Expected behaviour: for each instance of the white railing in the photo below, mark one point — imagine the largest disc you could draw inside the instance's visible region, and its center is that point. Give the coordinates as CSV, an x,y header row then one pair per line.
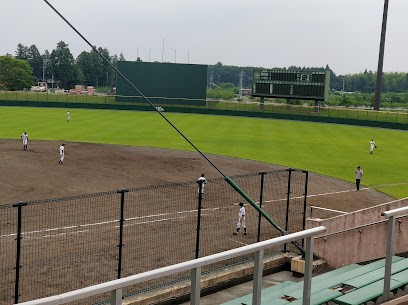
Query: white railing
x,y
116,286
391,215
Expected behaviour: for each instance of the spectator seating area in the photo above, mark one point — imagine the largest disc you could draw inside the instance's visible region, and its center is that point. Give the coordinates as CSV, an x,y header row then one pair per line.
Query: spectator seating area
x,y
350,285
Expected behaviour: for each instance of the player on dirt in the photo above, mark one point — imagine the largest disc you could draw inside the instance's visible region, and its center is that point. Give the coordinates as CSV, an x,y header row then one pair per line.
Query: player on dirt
x,y
241,219
24,137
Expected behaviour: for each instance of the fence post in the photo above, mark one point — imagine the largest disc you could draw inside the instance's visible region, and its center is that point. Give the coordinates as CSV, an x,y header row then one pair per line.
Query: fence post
x,y
260,205
304,205
116,297
287,206
18,252
307,282
200,197
388,257
195,286
257,280
122,219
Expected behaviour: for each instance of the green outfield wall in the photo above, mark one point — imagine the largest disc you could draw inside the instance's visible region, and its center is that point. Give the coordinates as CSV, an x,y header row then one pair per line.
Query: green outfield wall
x,y
164,83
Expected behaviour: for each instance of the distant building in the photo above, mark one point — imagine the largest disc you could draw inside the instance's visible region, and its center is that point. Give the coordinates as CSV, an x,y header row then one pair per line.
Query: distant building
x,y
246,91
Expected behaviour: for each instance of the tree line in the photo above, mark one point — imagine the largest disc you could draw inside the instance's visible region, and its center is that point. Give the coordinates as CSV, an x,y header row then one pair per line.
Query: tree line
x,y
61,66
89,69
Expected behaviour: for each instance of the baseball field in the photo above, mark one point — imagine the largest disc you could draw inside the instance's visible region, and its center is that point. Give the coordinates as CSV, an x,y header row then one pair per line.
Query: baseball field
x,y
332,150
110,150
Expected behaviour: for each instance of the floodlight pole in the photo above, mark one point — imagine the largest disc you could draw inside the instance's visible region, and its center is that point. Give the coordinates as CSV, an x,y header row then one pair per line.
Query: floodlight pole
x,y
381,58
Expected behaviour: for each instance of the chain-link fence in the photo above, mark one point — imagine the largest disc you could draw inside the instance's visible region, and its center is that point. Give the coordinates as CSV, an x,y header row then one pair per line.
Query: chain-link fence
x,y
52,246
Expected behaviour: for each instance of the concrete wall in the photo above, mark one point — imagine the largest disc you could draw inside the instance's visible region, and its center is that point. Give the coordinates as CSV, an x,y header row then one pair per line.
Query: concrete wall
x,y
361,243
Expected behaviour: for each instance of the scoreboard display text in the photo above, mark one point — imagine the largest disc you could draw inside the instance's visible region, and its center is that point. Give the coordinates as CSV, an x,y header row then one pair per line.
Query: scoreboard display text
x,y
302,85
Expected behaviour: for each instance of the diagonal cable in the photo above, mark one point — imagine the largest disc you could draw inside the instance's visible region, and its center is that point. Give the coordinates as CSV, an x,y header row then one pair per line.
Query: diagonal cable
x,y
228,179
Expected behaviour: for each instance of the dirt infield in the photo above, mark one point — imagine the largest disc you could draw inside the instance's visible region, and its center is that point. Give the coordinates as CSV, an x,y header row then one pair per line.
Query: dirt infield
x,y
72,243
89,168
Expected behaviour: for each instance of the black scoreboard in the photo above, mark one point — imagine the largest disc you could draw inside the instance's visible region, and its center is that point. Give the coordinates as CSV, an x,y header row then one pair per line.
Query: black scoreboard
x,y
302,85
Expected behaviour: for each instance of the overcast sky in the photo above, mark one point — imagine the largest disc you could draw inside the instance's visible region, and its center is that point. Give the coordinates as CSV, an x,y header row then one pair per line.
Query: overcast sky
x,y
344,34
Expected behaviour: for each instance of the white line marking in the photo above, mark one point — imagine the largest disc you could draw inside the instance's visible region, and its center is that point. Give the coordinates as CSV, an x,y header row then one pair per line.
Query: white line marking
x,y
238,242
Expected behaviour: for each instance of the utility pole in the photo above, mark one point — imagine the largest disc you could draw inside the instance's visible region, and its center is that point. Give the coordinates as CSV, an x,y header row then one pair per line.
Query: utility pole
x,y
211,79
150,53
344,81
241,77
381,58
163,50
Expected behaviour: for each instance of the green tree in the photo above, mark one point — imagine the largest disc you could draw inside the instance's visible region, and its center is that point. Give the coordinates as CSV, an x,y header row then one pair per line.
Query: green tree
x,y
35,61
15,74
21,52
91,67
63,66
107,77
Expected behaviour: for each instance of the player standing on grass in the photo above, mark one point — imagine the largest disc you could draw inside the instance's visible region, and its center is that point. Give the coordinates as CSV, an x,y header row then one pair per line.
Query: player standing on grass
x,y
241,219
359,176
68,117
24,137
61,150
372,146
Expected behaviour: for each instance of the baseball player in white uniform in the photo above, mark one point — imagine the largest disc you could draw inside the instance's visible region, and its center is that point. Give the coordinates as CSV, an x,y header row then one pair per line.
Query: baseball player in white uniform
x,y
241,219
68,117
24,137
359,175
372,146
61,150
203,181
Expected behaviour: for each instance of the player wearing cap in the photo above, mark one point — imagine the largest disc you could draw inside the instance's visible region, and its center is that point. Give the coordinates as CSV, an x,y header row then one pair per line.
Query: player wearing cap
x,y
24,137
241,219
62,154
359,176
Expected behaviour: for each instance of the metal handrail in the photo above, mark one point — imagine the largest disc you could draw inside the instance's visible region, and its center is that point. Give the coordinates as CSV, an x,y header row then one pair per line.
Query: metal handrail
x,y
115,286
358,227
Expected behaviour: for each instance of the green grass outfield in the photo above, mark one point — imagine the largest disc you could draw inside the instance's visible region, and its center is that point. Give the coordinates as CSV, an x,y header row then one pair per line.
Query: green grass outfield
x,y
333,150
